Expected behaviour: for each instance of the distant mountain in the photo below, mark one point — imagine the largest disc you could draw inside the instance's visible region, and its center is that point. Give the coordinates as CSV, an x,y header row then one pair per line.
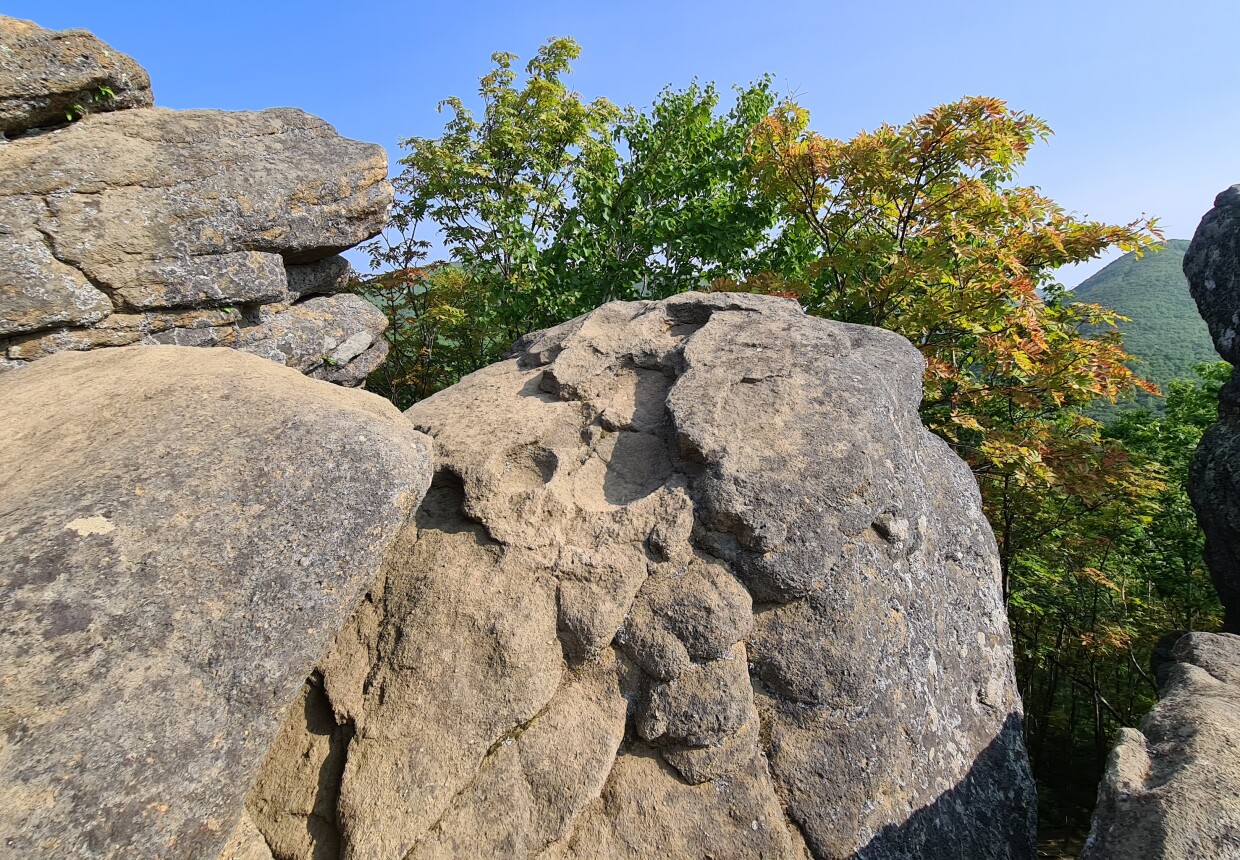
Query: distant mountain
x,y
1166,334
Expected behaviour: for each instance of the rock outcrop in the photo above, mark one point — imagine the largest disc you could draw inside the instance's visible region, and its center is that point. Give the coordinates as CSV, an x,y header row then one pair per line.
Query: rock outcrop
x,y
1212,266
196,228
182,534
48,78
1170,789
691,581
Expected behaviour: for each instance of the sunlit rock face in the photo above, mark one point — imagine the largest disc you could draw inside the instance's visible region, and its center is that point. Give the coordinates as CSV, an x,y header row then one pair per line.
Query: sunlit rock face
x,y
182,533
138,224
691,580
1170,790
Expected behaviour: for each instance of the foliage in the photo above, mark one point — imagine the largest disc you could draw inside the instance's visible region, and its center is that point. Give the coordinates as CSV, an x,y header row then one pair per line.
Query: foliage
x,y
441,326
1089,605
672,206
1164,330
498,188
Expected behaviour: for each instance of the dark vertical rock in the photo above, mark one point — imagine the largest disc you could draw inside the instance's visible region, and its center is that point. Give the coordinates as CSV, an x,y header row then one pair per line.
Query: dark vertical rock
x,y
1212,266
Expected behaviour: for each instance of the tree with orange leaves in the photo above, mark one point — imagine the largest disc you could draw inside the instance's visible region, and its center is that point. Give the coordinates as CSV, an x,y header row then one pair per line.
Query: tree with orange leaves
x,y
921,229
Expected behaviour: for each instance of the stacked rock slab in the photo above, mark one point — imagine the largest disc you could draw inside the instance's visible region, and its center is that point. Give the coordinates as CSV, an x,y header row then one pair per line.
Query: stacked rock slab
x,y
182,534
47,78
197,228
1212,266
1170,790
691,581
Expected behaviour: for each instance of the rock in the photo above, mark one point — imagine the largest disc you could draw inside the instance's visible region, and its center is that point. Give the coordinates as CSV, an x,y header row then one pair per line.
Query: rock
x,y
1212,266
146,199
38,291
156,211
124,329
322,278
1172,790
321,337
182,533
691,580
46,77
1214,488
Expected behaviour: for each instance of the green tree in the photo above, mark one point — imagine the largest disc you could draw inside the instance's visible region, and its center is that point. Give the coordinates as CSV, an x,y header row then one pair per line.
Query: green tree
x,y
673,206
441,325
1088,607
498,188
550,207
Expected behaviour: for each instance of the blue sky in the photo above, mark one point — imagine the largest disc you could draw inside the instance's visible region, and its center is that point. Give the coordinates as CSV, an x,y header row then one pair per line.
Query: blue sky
x,y
1144,97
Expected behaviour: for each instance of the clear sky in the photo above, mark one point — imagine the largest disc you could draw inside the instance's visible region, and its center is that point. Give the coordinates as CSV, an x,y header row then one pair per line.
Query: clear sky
x,y
1144,97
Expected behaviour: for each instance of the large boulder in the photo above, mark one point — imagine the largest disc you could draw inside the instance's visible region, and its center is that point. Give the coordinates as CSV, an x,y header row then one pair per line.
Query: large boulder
x,y
182,533
48,78
149,213
1170,791
1212,266
691,580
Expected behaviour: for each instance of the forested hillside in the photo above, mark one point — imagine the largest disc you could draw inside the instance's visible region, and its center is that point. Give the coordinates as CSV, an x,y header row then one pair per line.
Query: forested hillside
x,y
1166,334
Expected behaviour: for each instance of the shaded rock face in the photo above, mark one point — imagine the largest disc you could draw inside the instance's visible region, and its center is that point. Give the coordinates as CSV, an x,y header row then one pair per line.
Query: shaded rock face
x,y
196,228
182,534
691,580
1212,266
46,76
1170,789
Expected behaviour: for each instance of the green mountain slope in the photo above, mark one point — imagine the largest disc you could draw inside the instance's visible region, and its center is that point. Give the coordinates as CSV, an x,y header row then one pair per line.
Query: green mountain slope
x,y
1166,334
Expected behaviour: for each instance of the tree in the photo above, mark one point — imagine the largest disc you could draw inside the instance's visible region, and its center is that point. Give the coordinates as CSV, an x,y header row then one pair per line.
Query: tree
x,y
672,206
441,326
1089,607
497,189
920,229
550,207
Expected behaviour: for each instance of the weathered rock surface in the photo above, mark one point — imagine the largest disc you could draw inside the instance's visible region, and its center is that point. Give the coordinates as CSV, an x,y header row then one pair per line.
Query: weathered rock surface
x,y
691,581
157,212
182,533
1170,789
46,76
1212,266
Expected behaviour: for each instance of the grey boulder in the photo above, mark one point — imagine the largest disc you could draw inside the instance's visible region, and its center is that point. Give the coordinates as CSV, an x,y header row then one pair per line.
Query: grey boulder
x,y
147,212
182,533
1171,790
691,580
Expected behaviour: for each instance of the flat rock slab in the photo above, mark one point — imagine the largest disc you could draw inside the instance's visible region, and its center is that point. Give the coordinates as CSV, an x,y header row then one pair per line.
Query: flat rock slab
x,y
182,532
1171,790
166,208
47,76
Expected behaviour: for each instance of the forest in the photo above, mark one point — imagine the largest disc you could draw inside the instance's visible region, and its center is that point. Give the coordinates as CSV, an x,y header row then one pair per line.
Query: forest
x,y
541,206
